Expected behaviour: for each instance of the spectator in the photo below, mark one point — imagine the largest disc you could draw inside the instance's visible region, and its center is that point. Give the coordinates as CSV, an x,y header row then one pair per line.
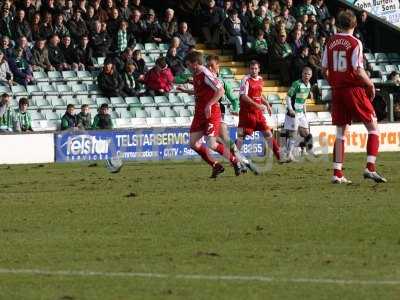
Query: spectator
x,y
28,8
20,27
288,19
22,119
46,28
175,63
268,33
40,57
315,61
56,56
84,119
124,10
103,119
6,48
159,80
91,19
68,120
280,58
5,72
100,41
152,29
260,48
84,54
306,9
48,7
68,52
77,27
299,62
245,16
396,112
20,68
6,23
210,19
59,27
322,11
362,31
68,10
136,4
394,78
110,82
6,113
35,26
236,33
24,45
113,25
186,40
128,76
141,67
168,26
297,41
99,11
262,13
136,26
122,60
124,38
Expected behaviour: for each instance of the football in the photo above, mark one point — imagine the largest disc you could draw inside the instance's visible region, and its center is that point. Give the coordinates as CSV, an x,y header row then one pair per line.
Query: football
x,y
114,164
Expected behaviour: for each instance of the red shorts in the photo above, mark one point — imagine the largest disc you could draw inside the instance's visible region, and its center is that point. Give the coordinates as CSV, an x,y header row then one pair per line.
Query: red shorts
x,y
209,127
252,121
351,104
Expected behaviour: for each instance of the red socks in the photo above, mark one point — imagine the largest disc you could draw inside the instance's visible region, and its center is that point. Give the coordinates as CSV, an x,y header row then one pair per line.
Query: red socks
x,y
221,150
205,154
372,150
338,157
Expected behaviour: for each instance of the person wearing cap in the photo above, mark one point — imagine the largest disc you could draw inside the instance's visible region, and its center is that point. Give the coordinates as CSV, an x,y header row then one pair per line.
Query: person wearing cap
x,y
152,29
159,80
103,119
6,76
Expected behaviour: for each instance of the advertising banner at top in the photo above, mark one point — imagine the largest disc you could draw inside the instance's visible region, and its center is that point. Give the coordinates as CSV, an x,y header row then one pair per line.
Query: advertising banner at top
x,y
388,10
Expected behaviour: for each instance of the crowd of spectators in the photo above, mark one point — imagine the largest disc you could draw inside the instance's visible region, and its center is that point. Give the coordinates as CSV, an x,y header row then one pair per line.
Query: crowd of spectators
x,y
46,35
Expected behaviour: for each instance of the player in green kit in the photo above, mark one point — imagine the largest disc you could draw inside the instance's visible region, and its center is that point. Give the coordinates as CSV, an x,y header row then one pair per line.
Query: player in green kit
x,y
295,119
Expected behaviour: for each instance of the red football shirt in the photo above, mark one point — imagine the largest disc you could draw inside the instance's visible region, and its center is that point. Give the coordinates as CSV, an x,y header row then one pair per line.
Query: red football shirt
x,y
205,85
343,55
252,87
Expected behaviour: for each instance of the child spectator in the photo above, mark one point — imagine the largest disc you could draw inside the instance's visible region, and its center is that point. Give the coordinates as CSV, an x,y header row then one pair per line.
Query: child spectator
x,y
68,120
260,47
23,120
103,119
6,113
84,119
159,80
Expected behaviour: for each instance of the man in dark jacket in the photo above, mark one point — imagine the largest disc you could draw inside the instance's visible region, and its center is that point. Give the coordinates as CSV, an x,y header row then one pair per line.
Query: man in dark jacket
x,y
20,68
84,53
109,81
136,26
56,56
210,19
76,26
20,27
68,120
103,119
100,41
84,119
68,51
235,31
40,57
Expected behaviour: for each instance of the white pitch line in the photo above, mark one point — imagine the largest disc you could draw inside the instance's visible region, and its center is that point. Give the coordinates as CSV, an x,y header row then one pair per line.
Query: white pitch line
x,y
198,277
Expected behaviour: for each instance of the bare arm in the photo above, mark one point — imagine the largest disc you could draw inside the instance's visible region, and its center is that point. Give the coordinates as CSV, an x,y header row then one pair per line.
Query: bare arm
x,y
250,101
362,75
218,94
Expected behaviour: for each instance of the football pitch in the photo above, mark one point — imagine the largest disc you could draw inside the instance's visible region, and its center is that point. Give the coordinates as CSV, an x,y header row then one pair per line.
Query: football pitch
x,y
167,231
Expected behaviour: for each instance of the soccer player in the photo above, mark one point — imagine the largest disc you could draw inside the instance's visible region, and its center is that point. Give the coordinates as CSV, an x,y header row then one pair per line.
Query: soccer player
x,y
352,93
252,108
295,119
213,66
207,117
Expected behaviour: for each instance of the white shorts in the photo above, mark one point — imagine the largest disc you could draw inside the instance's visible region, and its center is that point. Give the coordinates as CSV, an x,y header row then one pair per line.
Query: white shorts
x,y
300,120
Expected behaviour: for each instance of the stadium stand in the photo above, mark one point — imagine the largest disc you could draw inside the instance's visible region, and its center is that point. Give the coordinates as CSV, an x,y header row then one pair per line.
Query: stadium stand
x,y
64,83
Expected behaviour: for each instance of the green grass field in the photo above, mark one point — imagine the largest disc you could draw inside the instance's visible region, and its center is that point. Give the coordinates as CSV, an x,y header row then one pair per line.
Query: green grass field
x,y
289,234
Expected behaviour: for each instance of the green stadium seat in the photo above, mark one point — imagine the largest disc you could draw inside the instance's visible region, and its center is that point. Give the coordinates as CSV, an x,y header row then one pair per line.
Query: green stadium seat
x,y
125,114
123,122
139,46
187,99
151,48
278,108
34,90
54,75
84,75
147,101
156,113
326,95
118,102
40,76
391,68
86,100
133,102
166,122
51,115
226,73
376,80
163,48
79,89
274,99
169,113
42,103
69,75
381,57
36,115
161,101
154,56
148,59
5,89
140,114
48,89
102,100
19,90
63,89
394,57
114,114
58,103
323,84
71,100
370,58
93,89
184,113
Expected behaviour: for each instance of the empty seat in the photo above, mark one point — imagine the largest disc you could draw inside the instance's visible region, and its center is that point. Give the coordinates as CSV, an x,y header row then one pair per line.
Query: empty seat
x,y
69,75
184,113
48,89
138,122
71,100
182,121
19,90
156,114
186,98
391,68
394,57
147,101
278,109
5,89
133,102
168,121
102,100
118,102
40,76
274,99
169,113
34,90
381,58
322,83
79,89
36,115
114,114
43,104
93,89
63,89
326,95
163,47
125,113
54,75
153,122
324,116
226,73
174,99
52,116
151,48
161,100
58,103
370,58
87,100
84,75
140,114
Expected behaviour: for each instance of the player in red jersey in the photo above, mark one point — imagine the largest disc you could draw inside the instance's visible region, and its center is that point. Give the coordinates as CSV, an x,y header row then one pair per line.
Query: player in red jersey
x,y
352,94
252,108
207,116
